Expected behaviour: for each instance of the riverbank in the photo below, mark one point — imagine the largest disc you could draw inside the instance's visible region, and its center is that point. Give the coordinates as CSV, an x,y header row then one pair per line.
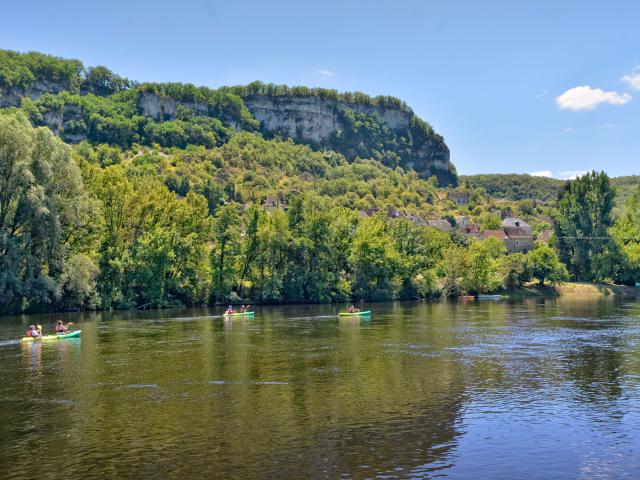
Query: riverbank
x,y
575,290
578,290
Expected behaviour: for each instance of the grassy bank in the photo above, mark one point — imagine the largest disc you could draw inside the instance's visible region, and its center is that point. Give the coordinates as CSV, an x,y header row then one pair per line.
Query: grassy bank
x,y
578,290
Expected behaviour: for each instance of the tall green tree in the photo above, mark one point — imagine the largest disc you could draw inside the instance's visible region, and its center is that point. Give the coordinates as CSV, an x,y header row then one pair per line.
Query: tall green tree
x,y
39,185
224,257
375,262
583,220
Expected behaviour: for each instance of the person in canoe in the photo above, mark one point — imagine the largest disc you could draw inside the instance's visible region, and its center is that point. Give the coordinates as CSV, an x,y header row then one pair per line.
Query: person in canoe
x,y
243,309
34,332
353,309
229,310
61,328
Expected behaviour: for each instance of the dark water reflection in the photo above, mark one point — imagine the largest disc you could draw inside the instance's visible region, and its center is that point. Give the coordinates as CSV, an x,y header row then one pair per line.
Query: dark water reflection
x,y
534,389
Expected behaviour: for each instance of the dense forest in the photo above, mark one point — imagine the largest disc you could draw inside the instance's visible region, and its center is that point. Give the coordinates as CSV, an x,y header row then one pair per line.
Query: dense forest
x,y
234,215
94,226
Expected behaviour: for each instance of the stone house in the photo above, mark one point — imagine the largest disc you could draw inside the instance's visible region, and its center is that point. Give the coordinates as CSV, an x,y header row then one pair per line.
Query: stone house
x,y
462,221
499,234
466,227
514,222
461,198
471,230
518,240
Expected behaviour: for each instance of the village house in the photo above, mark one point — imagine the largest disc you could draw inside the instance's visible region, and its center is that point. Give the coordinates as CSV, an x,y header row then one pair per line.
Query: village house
x,y
461,198
471,230
499,234
518,240
515,239
513,222
462,222
466,227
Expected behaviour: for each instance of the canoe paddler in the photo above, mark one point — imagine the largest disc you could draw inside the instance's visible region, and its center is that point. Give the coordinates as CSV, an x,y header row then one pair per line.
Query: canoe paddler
x,y
33,332
229,310
61,328
353,309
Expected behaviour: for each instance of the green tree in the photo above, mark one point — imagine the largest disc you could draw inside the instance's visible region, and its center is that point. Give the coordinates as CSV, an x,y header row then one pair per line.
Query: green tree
x,y
224,257
374,262
583,220
39,183
102,81
543,263
490,221
482,273
513,270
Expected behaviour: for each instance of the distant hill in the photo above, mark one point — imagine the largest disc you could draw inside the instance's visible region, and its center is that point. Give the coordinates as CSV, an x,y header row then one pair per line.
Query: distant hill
x,y
625,187
519,186
92,103
515,186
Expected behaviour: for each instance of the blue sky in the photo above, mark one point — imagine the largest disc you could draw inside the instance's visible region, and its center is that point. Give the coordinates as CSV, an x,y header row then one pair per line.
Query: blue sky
x,y
498,79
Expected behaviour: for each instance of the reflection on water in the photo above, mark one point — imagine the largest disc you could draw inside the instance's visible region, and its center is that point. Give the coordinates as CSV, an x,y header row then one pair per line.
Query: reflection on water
x,y
533,389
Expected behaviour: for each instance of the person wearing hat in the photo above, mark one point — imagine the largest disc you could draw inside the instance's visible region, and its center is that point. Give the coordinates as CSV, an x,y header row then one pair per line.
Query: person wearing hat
x,y
34,332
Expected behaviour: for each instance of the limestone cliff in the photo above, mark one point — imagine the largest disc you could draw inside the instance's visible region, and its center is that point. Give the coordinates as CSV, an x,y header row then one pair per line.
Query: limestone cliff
x,y
329,123
101,107
314,119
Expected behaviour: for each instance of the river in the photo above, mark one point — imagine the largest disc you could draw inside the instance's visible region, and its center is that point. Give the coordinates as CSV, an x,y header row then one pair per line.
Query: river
x,y
530,389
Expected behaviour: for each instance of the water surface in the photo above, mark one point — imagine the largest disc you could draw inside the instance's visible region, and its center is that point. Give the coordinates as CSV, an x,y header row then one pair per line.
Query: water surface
x,y
533,389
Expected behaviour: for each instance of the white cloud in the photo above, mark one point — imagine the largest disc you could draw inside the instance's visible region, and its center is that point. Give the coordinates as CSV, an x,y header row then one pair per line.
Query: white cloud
x,y
571,174
585,98
542,173
325,73
633,79
543,94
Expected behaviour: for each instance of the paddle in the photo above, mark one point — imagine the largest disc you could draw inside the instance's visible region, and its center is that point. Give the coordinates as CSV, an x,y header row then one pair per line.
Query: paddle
x,y
39,329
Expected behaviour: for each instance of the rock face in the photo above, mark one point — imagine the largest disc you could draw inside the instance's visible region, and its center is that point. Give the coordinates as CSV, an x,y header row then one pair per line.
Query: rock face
x,y
166,108
314,119
389,133
317,121
11,98
158,108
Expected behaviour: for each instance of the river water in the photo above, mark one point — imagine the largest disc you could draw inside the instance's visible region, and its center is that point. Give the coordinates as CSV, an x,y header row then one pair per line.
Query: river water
x,y
532,389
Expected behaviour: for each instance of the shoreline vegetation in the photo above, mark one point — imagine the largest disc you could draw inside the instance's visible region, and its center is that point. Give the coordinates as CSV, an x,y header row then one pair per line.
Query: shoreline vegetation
x,y
258,218
576,290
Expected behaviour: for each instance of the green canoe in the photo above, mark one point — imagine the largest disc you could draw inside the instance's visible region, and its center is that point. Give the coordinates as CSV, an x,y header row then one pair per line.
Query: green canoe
x,y
52,337
239,314
347,314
